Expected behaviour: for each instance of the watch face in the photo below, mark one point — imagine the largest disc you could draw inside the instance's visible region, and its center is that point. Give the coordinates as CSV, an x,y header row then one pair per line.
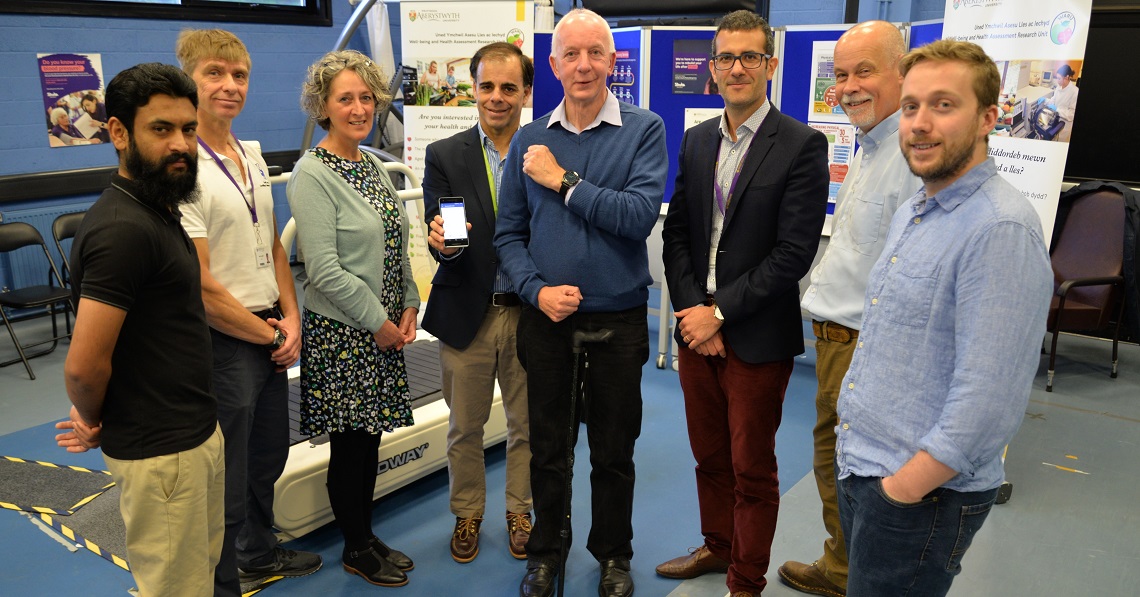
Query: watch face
x,y
570,179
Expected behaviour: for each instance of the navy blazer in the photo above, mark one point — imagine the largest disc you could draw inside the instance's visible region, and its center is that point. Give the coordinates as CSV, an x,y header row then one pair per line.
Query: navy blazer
x,y
771,232
461,288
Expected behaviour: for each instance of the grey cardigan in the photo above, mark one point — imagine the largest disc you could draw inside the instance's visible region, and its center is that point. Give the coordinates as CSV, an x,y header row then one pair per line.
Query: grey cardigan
x,y
341,238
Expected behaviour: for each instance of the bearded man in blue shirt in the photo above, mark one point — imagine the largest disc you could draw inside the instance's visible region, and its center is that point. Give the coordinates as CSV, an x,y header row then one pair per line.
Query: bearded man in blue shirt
x,y
950,339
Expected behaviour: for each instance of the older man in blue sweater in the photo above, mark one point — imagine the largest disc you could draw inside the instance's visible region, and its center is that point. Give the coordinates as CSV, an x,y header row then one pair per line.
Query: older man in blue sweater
x,y
581,191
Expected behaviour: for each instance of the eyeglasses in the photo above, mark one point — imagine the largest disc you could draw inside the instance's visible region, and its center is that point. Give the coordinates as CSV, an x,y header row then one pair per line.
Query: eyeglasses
x,y
747,60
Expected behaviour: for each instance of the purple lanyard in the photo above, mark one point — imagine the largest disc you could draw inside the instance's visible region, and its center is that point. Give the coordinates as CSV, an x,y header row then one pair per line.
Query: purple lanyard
x,y
721,201
249,176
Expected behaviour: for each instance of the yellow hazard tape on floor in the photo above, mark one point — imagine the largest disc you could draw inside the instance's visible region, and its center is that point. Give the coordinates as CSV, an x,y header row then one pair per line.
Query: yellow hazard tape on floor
x,y
46,510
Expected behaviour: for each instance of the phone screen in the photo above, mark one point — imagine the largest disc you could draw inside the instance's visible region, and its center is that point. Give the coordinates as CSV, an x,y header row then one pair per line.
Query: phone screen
x,y
454,221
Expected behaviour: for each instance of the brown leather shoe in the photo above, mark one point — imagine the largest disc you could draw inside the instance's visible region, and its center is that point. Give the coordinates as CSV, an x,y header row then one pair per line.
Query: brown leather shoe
x,y
518,531
465,539
739,594
699,561
806,578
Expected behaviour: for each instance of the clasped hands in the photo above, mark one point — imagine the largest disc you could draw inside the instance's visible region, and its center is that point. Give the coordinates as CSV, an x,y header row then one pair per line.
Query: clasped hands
x,y
390,336
81,437
700,330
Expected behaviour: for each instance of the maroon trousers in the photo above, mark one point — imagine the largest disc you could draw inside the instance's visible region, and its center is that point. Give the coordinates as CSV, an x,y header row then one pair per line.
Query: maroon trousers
x,y
733,409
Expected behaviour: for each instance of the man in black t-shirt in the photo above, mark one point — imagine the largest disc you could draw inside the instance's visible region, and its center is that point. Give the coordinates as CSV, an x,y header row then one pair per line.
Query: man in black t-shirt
x,y
138,369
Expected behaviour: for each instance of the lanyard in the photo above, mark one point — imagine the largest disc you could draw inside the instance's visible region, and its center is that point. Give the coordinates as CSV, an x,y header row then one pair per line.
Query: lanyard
x,y
249,176
491,181
722,201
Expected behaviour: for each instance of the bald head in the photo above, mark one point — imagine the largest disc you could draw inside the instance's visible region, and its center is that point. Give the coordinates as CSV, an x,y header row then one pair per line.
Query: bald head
x,y
577,18
867,79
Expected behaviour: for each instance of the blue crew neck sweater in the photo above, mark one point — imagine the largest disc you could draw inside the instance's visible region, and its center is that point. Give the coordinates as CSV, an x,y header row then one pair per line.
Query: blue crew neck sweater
x,y
597,242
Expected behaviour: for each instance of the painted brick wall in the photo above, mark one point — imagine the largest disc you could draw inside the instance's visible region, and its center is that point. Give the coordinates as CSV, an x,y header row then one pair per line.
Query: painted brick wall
x,y
281,53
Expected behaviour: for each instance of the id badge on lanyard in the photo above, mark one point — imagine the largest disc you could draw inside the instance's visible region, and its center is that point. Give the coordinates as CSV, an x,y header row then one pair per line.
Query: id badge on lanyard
x,y
263,257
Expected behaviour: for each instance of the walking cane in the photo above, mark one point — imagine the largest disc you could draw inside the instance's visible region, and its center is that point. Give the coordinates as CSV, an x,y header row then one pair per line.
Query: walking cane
x,y
580,339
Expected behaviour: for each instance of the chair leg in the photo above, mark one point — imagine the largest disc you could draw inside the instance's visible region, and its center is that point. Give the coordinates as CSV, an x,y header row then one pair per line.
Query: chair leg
x,y
1116,338
1052,362
19,347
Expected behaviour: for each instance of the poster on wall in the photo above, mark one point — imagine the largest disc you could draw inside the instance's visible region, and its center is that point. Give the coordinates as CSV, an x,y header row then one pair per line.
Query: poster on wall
x,y
623,82
1039,49
840,149
691,68
72,87
824,102
438,40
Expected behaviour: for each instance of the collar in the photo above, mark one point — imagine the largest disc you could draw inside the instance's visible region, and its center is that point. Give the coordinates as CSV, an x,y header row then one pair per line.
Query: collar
x,y
610,112
131,189
962,189
873,140
203,154
752,124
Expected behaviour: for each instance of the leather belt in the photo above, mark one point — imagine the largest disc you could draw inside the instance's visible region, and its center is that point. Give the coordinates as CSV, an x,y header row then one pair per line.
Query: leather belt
x,y
834,332
504,299
273,312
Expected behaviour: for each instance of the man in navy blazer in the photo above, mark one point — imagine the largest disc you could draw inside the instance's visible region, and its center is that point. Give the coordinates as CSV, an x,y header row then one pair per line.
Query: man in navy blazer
x,y
473,308
742,230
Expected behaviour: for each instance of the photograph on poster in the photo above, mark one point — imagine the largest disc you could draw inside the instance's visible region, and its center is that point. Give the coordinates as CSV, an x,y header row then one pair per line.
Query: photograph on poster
x,y
1038,99
443,82
691,73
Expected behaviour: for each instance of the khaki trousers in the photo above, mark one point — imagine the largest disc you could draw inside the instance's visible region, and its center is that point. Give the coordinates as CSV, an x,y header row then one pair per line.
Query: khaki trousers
x,y
173,507
832,360
469,389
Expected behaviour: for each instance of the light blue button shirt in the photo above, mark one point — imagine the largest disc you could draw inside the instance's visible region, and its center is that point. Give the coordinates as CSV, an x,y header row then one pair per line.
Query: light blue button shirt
x,y
951,334
495,159
878,182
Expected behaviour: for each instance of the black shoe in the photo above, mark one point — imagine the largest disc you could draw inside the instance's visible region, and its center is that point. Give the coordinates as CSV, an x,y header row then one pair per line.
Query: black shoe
x,y
286,562
373,568
616,581
398,558
539,580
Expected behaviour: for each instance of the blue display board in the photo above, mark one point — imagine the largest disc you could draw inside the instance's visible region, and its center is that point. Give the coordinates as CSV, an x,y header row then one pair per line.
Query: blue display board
x,y
547,90
663,101
924,33
796,67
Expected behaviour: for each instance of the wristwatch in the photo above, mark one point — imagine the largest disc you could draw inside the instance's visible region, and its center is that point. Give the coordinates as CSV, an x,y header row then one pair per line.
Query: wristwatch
x,y
568,181
278,341
717,314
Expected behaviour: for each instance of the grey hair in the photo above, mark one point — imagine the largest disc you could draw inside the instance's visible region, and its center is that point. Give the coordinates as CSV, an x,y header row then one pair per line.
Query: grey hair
x,y
583,14
318,82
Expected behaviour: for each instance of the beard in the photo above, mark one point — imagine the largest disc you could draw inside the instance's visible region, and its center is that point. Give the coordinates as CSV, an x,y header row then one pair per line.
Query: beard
x,y
157,185
862,116
955,157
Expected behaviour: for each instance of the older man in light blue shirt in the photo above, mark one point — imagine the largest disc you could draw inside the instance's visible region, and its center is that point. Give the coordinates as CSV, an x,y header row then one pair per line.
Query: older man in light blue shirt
x,y
868,85
953,320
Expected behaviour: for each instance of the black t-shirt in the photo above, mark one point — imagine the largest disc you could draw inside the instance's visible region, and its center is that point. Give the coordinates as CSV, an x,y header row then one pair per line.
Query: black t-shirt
x,y
139,259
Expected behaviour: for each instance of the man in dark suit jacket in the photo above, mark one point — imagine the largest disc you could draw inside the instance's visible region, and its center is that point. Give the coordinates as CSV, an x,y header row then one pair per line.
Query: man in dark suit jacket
x,y
742,229
473,308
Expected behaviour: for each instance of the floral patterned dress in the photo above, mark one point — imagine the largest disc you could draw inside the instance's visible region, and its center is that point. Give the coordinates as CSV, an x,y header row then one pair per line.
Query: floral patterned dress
x,y
347,381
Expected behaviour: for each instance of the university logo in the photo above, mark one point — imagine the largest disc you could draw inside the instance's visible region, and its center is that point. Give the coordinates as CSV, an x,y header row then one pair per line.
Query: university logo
x,y
1063,27
516,37
412,15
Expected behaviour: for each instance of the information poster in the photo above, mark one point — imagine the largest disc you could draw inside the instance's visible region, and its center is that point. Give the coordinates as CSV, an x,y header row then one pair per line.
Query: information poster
x,y
840,150
825,103
1039,49
439,39
691,68
695,116
624,82
72,86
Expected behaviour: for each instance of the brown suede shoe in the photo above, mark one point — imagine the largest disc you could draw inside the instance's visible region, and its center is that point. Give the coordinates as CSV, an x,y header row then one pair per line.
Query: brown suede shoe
x,y
465,539
806,578
518,531
699,561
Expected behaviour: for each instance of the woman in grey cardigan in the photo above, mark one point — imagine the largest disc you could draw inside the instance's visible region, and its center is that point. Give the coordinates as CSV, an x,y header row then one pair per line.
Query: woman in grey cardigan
x,y
360,301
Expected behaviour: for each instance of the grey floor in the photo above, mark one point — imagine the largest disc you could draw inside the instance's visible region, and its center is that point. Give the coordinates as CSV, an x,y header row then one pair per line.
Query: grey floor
x,y
1065,532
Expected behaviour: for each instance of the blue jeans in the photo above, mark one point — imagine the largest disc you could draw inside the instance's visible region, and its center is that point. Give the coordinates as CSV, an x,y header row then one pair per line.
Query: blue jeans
x,y
896,549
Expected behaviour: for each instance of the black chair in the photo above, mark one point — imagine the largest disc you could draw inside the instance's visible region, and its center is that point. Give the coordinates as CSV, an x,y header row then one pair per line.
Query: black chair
x,y
17,235
63,228
1087,261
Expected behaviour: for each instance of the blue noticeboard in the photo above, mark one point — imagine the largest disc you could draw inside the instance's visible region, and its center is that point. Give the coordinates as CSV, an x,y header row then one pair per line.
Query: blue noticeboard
x,y
796,68
925,32
663,101
547,90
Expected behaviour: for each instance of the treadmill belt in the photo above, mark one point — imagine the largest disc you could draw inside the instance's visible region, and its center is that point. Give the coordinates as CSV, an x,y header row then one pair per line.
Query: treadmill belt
x,y
422,361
